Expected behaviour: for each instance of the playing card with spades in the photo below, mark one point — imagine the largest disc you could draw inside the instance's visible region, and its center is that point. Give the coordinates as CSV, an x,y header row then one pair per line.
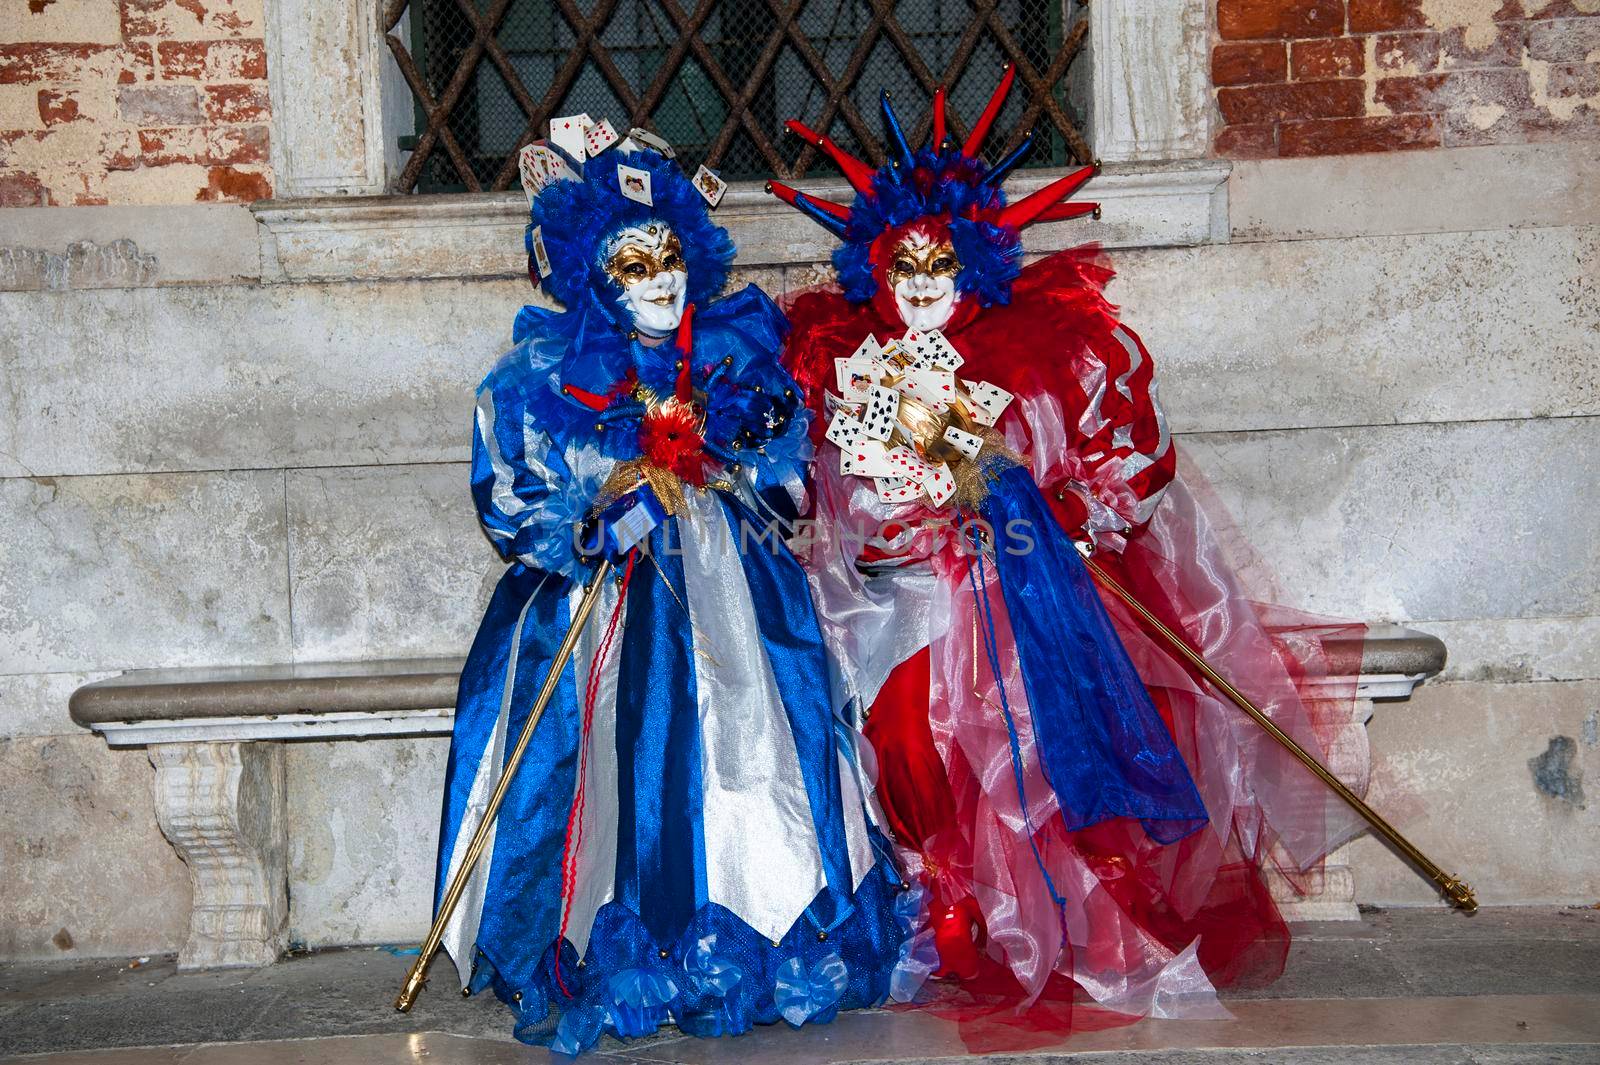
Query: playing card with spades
x,y
883,410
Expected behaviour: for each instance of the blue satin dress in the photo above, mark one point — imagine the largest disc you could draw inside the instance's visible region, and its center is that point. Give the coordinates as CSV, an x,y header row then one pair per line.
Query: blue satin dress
x,y
686,840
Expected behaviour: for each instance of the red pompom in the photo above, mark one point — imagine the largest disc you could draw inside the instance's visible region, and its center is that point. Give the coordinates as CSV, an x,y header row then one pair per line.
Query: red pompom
x,y
670,438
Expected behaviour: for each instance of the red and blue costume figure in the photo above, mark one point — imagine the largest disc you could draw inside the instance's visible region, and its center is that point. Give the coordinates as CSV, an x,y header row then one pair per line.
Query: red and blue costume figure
x,y
1078,805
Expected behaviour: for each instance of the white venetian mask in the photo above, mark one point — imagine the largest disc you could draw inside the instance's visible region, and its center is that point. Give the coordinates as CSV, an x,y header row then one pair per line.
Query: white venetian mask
x,y
923,273
647,263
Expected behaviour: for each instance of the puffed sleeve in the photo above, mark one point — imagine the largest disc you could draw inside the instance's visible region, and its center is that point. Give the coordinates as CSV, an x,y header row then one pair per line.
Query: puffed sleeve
x,y
1105,470
529,502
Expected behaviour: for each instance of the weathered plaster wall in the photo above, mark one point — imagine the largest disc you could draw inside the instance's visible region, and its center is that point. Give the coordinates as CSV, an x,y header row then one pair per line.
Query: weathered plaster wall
x,y
235,472
133,102
1340,76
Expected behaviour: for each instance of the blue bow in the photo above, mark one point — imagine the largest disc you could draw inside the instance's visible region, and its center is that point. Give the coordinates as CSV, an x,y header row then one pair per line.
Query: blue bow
x,y
800,996
639,1000
578,1030
711,973
911,906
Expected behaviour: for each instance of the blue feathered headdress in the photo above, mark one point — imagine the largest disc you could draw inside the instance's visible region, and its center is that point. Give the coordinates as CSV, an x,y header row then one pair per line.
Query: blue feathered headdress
x,y
941,186
577,218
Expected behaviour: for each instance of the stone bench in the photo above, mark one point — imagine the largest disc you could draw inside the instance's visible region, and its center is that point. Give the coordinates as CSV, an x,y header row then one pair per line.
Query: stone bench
x,y
216,736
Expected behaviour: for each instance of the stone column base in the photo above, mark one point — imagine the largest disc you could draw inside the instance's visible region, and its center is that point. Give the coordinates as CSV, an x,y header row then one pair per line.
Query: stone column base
x,y
1331,894
222,807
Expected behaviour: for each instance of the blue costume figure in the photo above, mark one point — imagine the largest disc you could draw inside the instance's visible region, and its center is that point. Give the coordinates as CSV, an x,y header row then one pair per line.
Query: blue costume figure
x,y
686,841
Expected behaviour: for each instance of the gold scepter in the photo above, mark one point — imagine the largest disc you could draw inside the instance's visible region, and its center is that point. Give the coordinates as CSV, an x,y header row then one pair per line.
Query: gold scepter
x,y
1458,892
480,838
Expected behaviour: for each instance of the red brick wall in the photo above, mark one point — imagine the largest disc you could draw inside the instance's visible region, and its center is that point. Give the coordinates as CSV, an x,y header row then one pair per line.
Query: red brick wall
x,y
132,101
1326,77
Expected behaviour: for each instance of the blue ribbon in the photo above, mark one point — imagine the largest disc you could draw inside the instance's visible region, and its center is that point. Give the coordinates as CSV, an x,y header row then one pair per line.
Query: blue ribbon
x,y
801,994
711,973
1105,749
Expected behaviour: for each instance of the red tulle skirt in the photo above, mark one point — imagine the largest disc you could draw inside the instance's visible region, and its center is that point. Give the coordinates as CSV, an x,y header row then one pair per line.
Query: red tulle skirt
x,y
1149,929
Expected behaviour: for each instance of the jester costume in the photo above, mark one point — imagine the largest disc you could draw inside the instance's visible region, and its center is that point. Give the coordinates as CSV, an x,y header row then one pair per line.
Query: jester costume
x,y
1078,805
686,841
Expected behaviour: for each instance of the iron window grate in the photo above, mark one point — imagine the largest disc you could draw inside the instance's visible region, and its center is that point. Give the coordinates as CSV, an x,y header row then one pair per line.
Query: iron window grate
x,y
717,78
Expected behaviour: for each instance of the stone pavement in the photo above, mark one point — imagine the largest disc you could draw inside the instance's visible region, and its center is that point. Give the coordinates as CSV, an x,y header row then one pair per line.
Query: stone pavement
x,y
1427,986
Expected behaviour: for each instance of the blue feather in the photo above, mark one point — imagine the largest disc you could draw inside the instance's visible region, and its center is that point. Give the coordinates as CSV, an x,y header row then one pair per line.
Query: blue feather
x,y
990,257
577,218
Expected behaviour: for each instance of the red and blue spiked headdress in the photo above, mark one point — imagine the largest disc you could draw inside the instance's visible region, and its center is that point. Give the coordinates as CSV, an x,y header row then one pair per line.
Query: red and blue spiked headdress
x,y
938,190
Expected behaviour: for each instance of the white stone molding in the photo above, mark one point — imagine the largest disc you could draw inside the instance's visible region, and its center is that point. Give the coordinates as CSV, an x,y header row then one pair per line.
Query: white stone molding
x,y
392,237
325,64
222,806
1149,95
345,725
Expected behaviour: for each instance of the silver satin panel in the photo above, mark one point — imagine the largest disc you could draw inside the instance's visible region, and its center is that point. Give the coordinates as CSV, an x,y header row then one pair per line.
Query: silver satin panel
x,y
1135,360
504,493
763,862
461,934
595,876
855,822
535,446
1093,380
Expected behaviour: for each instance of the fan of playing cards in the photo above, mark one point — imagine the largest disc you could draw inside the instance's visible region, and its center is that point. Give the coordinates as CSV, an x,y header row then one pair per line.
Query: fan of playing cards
x,y
575,138
903,418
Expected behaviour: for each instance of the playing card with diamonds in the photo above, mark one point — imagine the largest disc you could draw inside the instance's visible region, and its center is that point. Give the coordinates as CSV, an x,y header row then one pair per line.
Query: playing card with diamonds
x,y
531,171
908,464
598,137
709,185
844,430
934,389
854,377
963,441
541,258
883,410
546,164
940,484
896,490
989,400
567,133
635,184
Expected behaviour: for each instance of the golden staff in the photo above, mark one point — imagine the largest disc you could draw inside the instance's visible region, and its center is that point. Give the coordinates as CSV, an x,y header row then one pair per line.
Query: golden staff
x,y
480,838
1458,892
